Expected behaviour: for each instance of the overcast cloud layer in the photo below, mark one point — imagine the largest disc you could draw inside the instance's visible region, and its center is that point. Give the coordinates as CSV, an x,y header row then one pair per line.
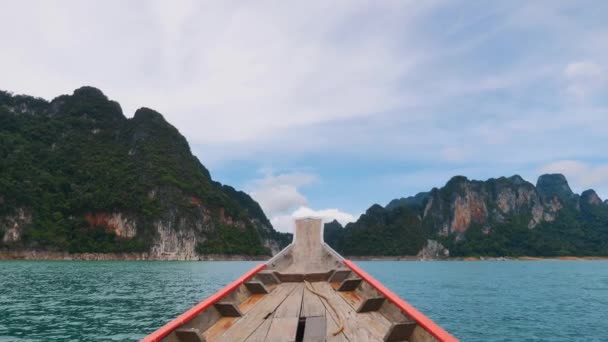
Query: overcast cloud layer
x,y
324,108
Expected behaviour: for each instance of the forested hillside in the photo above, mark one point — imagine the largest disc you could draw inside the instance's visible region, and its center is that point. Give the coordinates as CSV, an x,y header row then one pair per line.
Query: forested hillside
x,y
76,175
497,217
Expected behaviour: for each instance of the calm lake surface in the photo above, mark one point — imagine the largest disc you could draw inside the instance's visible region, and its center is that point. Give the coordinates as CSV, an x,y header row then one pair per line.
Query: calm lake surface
x,y
476,301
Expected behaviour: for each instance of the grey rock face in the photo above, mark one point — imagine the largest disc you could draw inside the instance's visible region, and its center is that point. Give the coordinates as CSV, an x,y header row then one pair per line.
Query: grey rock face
x,y
433,250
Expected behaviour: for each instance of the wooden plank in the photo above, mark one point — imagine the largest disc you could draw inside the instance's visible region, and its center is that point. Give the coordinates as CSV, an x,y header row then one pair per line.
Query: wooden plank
x,y
291,306
400,332
308,254
315,329
283,329
353,298
245,326
248,303
332,326
268,277
204,320
311,305
370,326
330,318
259,335
237,296
223,324
189,335
228,309
256,287
371,304
350,284
393,313
339,275
362,299
421,335
300,277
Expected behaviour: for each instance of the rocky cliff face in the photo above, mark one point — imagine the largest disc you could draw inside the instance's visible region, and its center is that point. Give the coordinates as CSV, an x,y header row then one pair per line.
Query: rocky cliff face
x,y
433,250
76,175
12,225
497,217
462,202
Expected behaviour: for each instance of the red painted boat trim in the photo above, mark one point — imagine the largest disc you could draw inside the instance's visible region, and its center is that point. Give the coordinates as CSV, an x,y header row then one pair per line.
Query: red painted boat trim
x,y
419,317
200,307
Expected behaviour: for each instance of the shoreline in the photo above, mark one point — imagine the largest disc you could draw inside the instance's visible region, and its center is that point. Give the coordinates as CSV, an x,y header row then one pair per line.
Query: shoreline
x,y
58,256
481,258
65,256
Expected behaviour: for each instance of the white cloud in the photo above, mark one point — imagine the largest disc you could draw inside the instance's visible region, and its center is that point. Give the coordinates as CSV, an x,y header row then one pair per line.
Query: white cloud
x,y
378,81
583,69
454,153
568,167
279,194
223,72
281,199
285,223
581,176
327,215
584,78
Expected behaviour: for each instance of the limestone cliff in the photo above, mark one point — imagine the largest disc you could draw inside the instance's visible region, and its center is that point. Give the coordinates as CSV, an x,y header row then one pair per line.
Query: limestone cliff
x,y
496,217
77,176
462,202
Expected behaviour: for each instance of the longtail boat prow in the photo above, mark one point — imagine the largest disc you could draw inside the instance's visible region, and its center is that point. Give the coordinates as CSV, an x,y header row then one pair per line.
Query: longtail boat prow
x,y
307,292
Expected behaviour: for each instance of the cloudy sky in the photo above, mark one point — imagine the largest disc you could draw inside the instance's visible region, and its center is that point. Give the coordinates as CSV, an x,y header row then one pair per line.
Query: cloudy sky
x,y
326,107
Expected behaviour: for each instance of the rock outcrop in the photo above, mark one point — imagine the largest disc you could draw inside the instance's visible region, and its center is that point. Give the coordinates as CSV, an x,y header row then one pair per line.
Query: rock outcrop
x,y
79,177
433,250
463,203
13,226
496,217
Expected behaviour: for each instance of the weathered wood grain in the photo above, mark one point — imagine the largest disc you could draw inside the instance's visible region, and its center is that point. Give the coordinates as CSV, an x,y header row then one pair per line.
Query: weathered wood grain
x,y
267,277
369,326
256,287
421,335
350,284
290,307
311,305
339,275
219,328
371,304
399,332
248,303
315,329
228,309
204,320
259,335
245,326
189,335
283,329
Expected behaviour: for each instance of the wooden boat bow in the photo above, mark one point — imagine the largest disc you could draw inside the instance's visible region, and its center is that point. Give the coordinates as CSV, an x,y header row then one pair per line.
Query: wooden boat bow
x,y
307,292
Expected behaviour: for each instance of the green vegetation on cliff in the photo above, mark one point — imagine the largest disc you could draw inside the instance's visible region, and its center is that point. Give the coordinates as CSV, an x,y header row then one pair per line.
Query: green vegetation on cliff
x,y
497,217
76,157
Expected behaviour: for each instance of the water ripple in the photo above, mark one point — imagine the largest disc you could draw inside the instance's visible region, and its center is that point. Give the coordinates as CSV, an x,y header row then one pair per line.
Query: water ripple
x,y
476,301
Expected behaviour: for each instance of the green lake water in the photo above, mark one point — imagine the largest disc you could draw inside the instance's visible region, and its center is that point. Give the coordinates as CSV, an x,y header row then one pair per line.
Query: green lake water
x,y
475,301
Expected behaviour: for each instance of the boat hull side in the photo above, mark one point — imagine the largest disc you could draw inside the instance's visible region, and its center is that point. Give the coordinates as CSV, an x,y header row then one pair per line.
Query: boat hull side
x,y
180,320
426,323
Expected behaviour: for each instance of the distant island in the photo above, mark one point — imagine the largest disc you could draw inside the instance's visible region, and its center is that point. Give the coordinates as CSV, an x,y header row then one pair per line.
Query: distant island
x,y
502,217
79,180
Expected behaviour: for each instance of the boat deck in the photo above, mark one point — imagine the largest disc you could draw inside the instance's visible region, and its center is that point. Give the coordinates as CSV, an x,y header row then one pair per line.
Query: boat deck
x,y
308,293
291,309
